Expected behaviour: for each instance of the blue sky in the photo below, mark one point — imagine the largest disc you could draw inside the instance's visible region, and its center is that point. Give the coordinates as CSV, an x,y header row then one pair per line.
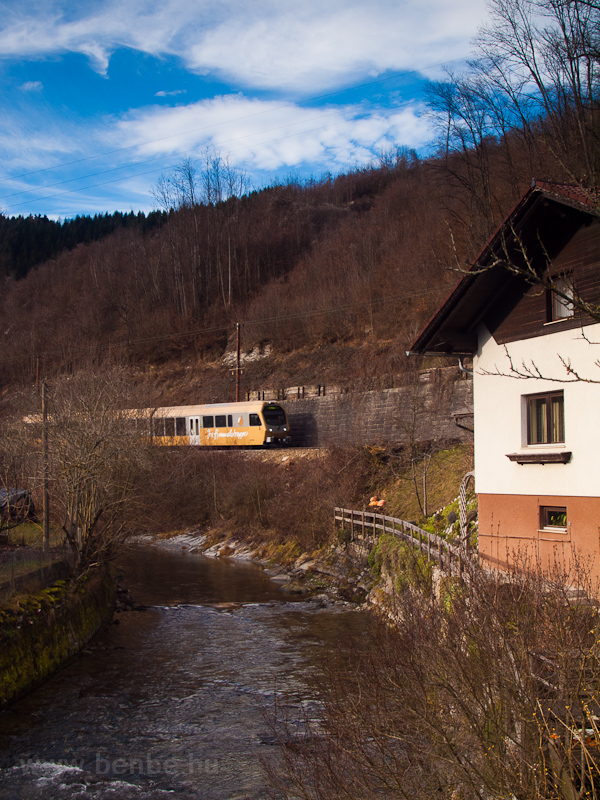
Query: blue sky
x,y
100,97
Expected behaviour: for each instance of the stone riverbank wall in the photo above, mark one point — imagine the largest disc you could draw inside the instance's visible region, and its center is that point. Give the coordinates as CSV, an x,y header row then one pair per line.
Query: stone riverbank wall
x,y
49,628
437,406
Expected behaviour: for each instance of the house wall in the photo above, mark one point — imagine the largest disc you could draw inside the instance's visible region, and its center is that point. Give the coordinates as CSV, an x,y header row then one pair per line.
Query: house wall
x,y
500,426
509,530
510,494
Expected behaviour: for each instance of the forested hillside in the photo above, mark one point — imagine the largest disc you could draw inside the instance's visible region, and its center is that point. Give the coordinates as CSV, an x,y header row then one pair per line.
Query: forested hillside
x,y
337,275
26,242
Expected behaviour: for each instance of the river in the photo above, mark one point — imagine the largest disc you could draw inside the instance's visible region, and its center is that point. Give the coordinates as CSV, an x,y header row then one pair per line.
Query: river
x,y
177,699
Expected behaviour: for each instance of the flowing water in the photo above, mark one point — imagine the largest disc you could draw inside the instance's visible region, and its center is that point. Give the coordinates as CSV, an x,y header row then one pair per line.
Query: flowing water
x,y
177,700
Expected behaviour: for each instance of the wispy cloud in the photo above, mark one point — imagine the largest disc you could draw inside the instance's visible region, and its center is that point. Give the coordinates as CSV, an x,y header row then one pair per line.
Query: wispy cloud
x,y
323,44
267,135
175,92
271,60
265,43
31,86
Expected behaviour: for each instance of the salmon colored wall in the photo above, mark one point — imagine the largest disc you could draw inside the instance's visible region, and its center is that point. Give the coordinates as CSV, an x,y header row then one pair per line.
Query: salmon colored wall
x,y
509,529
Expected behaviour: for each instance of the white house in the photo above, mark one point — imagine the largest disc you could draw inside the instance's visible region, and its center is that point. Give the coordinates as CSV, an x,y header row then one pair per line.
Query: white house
x,y
520,313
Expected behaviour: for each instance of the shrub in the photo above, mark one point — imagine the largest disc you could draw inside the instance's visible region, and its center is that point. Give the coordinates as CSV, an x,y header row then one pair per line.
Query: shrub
x,y
407,568
492,693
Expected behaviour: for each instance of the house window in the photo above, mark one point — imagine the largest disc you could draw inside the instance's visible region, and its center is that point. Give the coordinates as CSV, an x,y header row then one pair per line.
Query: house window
x,y
553,518
546,418
560,298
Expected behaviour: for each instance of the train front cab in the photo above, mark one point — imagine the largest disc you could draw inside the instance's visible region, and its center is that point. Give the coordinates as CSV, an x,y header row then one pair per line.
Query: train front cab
x,y
277,427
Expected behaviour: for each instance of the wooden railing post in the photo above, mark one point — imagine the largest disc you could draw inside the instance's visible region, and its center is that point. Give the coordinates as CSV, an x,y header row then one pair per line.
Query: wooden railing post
x,y
359,521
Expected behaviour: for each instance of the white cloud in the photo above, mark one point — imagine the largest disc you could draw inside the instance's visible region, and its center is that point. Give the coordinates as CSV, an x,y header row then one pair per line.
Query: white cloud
x,y
175,92
266,135
299,49
266,43
31,86
325,44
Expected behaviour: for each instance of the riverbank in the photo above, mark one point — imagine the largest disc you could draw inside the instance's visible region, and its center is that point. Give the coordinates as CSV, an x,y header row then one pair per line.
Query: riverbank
x,y
41,632
338,574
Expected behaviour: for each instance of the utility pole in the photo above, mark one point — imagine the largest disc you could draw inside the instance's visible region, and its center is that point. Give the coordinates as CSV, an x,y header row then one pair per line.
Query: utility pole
x,y
45,499
237,364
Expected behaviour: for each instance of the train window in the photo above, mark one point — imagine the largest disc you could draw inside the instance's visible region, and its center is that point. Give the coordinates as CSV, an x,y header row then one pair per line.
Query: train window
x,y
254,420
274,415
169,426
229,421
208,422
180,426
220,421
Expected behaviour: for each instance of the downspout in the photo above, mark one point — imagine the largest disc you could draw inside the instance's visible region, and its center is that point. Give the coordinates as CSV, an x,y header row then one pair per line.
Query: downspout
x,y
462,367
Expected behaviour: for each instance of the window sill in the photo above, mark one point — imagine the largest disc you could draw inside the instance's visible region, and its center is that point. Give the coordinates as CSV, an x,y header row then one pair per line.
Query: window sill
x,y
562,457
558,321
559,531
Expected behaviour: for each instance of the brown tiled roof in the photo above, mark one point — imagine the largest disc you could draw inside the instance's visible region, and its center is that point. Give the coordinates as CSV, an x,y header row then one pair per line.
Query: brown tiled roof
x,y
578,194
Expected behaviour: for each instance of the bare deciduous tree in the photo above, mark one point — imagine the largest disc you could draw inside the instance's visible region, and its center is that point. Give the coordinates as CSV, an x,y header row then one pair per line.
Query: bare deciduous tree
x,y
94,452
528,102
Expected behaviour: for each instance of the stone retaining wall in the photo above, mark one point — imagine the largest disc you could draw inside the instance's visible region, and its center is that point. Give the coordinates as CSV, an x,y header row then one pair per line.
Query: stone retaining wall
x,y
428,409
36,641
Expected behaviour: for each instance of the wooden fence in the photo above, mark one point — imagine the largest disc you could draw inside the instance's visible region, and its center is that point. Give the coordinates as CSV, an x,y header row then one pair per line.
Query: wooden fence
x,y
368,525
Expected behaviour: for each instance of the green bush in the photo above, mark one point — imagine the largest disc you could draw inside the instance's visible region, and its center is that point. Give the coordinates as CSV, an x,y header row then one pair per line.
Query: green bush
x,y
407,567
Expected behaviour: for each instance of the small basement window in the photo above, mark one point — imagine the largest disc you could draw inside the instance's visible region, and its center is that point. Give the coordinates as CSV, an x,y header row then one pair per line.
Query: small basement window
x,y
553,518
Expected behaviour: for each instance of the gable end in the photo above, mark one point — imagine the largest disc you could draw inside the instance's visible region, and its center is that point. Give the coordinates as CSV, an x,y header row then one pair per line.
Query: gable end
x,y
530,315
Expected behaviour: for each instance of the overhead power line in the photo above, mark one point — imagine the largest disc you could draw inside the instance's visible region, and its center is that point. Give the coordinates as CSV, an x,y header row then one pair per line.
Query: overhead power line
x,y
184,133
377,302
282,107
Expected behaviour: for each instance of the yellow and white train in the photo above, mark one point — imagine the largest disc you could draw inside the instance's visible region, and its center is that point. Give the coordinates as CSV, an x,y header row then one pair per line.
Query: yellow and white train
x,y
251,424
